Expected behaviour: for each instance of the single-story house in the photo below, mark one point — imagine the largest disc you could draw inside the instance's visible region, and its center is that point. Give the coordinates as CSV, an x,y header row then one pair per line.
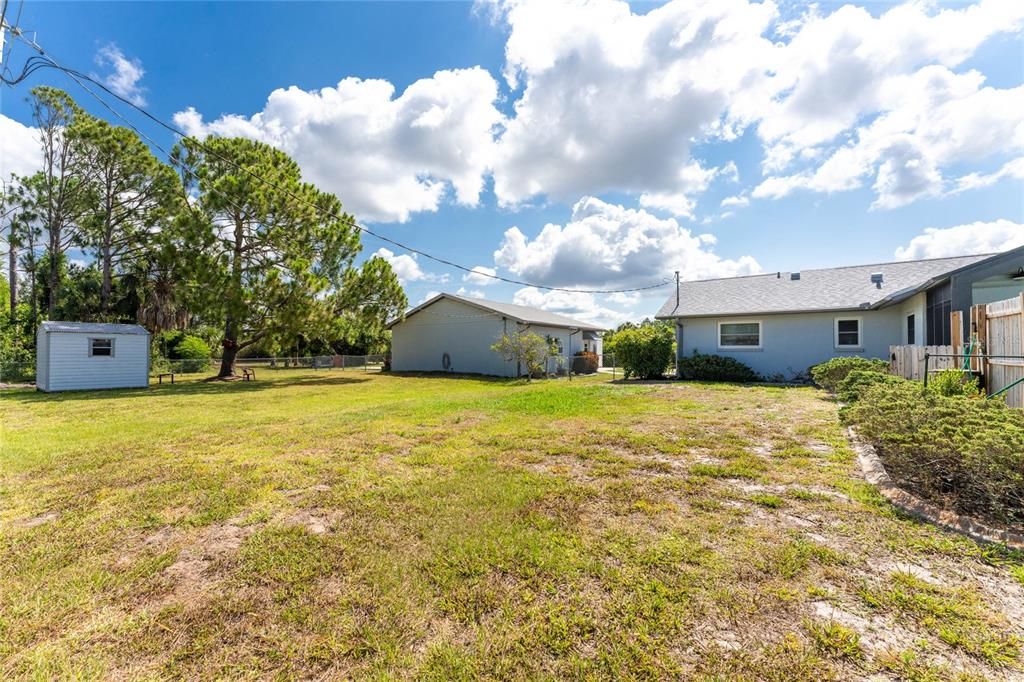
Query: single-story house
x,y
72,356
781,323
450,333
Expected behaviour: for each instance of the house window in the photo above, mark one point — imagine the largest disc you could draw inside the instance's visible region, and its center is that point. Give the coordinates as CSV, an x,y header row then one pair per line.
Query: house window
x,y
911,330
101,348
739,335
848,332
939,302
554,342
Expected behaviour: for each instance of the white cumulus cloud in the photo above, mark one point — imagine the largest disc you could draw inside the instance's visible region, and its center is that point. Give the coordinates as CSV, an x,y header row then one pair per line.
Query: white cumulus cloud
x,y
1011,169
124,75
613,100
580,306
608,245
481,276
386,157
20,152
407,267
972,238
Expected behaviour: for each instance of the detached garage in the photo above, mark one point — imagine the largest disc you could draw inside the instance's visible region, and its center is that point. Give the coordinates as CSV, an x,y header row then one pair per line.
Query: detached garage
x,y
450,333
75,356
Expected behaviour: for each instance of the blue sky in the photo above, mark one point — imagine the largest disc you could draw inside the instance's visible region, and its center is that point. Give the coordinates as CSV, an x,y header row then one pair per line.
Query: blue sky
x,y
841,133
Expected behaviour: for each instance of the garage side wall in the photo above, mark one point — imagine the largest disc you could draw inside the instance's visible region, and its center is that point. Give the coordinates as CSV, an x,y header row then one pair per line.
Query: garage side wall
x,y
71,368
465,333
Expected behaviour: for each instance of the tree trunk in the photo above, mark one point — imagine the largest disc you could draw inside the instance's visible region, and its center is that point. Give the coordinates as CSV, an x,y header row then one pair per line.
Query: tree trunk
x,y
12,270
227,361
107,280
54,279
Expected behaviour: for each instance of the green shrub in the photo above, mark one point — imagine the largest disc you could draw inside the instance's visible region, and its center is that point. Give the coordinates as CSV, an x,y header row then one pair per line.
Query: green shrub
x,y
644,352
829,373
184,353
702,367
857,381
584,362
967,455
954,383
191,348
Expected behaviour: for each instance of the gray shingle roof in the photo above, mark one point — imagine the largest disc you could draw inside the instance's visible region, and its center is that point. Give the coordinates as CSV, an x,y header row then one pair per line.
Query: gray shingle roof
x,y
93,327
845,288
521,313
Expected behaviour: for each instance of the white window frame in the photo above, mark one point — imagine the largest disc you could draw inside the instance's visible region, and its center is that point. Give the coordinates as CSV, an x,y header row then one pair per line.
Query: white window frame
x,y
760,335
113,343
860,332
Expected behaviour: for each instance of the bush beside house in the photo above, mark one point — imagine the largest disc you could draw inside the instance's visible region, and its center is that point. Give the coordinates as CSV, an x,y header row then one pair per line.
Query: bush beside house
x,y
946,444
585,362
830,373
643,353
961,452
701,367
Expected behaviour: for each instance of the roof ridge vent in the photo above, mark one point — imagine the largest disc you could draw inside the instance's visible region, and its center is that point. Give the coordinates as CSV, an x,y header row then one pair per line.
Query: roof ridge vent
x,y
794,276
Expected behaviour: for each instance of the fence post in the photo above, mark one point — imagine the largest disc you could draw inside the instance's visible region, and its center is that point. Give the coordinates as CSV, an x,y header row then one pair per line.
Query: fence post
x,y
926,356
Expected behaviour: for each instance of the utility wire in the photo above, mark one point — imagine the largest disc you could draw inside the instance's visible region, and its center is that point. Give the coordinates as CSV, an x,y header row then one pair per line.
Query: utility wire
x,y
77,75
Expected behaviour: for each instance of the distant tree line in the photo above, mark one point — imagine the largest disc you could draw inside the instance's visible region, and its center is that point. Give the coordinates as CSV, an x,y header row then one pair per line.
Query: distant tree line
x,y
225,241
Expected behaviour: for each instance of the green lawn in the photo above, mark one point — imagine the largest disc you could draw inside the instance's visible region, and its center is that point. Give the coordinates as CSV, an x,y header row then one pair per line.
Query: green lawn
x,y
340,524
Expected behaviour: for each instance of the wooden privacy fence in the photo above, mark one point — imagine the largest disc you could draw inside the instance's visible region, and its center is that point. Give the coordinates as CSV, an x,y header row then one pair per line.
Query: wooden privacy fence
x,y
995,347
999,328
908,361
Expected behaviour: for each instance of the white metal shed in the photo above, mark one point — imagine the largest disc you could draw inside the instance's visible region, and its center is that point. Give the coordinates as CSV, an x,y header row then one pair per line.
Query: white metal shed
x,y
72,356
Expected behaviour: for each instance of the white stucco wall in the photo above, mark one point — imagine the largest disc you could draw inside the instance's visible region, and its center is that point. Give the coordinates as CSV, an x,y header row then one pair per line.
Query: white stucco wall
x,y
792,343
67,365
915,305
466,334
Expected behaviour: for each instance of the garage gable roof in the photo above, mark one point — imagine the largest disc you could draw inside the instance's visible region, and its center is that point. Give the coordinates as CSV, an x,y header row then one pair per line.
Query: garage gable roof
x,y
519,313
92,327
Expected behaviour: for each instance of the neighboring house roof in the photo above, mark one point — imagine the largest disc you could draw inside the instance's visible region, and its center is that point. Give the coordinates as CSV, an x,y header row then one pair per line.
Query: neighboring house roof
x,y
92,327
844,288
519,313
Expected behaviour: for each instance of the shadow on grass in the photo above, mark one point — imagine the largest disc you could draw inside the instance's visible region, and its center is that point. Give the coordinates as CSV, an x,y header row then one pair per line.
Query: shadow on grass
x,y
454,376
189,387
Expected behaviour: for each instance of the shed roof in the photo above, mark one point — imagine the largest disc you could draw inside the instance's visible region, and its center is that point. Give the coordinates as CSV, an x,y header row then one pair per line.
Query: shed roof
x,y
844,288
92,327
520,313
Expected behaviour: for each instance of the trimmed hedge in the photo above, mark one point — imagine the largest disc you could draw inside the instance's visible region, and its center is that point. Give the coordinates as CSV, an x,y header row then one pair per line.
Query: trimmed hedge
x,y
702,367
962,453
830,373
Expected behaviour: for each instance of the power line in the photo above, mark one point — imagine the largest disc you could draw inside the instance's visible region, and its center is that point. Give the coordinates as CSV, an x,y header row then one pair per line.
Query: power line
x,y
76,75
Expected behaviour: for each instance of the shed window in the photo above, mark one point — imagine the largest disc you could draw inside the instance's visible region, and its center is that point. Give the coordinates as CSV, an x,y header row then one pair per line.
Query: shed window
x,y
101,348
848,332
739,335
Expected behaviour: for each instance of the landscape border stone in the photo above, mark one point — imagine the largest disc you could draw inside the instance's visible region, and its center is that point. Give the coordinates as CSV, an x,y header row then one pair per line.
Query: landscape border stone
x,y
874,472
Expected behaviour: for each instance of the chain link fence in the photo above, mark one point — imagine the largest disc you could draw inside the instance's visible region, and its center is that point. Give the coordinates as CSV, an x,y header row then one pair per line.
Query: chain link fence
x,y
18,373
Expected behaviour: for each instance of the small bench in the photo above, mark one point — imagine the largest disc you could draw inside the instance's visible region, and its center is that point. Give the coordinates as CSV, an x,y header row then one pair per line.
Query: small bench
x,y
248,374
160,377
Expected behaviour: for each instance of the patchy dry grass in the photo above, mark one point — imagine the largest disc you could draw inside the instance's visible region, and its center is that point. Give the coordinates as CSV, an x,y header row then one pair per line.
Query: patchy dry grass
x,y
348,525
